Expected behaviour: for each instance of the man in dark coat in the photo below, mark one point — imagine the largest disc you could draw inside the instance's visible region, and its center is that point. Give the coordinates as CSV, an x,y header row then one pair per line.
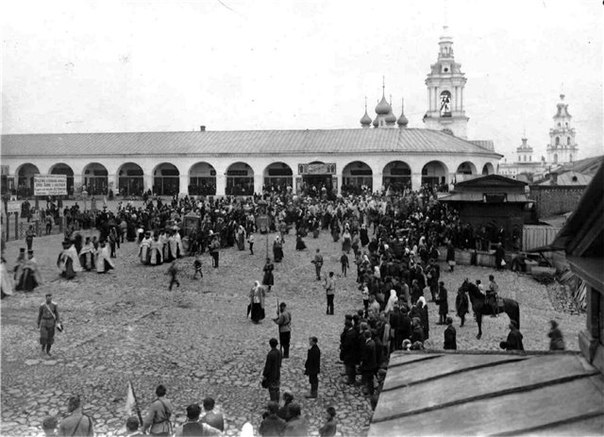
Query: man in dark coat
x,y
313,367
450,335
368,362
349,341
443,303
462,305
271,376
514,340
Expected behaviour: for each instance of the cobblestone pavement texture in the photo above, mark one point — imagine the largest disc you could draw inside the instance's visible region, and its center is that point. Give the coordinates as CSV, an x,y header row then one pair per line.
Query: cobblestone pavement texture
x,y
126,325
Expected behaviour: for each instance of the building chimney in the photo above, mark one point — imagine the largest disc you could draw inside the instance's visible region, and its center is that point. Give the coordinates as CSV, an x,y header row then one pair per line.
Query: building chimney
x,y
202,128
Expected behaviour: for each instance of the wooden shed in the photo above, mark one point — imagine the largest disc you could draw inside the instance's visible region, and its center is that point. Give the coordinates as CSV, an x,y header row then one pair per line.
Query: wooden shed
x,y
492,201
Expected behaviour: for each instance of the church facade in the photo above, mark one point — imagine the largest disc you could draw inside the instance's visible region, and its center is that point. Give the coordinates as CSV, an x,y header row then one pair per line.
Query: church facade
x,y
561,149
383,153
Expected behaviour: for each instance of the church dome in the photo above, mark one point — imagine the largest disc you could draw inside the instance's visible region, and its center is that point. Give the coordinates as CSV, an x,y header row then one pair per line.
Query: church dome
x,y
402,121
383,108
366,119
376,123
390,118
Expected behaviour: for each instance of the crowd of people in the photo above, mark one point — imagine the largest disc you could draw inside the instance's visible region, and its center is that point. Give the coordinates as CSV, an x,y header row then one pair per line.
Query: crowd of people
x,y
393,241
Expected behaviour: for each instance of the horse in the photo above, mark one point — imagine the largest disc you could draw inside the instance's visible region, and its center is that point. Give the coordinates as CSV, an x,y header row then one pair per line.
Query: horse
x,y
481,307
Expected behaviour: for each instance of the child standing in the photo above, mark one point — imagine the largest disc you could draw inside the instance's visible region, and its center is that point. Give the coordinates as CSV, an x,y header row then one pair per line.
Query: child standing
x,y
197,265
250,240
173,271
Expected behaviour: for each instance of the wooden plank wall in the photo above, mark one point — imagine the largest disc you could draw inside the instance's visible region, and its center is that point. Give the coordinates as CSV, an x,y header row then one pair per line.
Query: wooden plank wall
x,y
536,236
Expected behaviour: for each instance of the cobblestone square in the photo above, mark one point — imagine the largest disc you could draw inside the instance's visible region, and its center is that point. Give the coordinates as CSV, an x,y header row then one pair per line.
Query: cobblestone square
x,y
196,339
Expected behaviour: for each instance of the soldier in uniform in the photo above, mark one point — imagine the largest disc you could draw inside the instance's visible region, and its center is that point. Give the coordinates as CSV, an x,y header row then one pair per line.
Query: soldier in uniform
x,y
48,320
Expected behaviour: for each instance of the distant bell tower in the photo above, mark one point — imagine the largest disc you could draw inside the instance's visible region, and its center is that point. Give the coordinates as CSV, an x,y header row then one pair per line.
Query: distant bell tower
x,y
562,147
445,84
524,152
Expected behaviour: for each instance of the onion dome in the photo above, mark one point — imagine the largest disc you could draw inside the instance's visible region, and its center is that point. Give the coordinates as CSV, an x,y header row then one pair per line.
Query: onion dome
x,y
366,119
376,123
390,118
383,108
402,120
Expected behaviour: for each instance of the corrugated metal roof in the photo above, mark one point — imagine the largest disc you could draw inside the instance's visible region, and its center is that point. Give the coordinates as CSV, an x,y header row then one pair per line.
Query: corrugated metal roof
x,y
489,394
239,142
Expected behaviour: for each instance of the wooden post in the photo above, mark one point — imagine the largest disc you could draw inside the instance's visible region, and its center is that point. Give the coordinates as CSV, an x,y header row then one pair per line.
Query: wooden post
x,y
16,225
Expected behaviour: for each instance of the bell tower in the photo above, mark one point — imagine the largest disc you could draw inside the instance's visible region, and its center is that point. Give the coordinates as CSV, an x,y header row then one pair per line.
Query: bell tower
x,y
445,84
562,147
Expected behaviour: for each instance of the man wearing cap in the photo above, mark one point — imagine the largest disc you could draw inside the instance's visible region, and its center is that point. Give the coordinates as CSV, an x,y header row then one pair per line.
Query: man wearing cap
x,y
48,319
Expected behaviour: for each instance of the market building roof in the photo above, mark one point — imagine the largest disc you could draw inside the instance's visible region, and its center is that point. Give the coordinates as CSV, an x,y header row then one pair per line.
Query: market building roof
x,y
255,142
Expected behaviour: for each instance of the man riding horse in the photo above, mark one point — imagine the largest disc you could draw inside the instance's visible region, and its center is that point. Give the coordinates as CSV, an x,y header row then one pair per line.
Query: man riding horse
x,y
492,295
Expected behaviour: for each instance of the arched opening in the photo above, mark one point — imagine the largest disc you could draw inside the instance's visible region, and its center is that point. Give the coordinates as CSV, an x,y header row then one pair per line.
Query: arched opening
x,y
555,158
445,104
557,141
317,178
95,179
488,169
239,180
434,174
202,179
64,169
277,177
130,180
166,180
357,177
568,141
467,168
25,179
396,176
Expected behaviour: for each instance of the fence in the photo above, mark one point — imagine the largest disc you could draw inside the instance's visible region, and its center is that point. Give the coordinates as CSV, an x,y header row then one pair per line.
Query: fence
x,y
14,228
536,236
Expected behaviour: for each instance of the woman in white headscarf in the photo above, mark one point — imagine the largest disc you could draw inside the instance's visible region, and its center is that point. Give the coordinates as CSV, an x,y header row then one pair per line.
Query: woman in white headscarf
x,y
391,301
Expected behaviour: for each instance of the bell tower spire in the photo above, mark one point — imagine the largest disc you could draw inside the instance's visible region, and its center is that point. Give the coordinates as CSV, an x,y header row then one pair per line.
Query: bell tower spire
x,y
445,84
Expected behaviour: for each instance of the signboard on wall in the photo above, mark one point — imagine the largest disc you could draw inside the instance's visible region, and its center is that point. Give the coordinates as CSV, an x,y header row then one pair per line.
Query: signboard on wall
x,y
50,185
13,206
317,168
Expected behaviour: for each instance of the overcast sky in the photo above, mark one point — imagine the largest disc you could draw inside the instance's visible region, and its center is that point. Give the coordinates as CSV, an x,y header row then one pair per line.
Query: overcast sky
x,y
106,66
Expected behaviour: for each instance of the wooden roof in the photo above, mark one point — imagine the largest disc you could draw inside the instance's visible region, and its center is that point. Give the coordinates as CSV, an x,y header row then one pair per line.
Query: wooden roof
x,y
482,393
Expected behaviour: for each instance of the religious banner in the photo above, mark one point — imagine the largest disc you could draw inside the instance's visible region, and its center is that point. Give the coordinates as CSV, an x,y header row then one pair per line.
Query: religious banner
x,y
50,185
317,168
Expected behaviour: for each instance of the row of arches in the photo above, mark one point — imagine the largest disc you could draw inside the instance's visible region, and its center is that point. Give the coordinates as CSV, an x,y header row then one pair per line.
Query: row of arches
x,y
239,177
